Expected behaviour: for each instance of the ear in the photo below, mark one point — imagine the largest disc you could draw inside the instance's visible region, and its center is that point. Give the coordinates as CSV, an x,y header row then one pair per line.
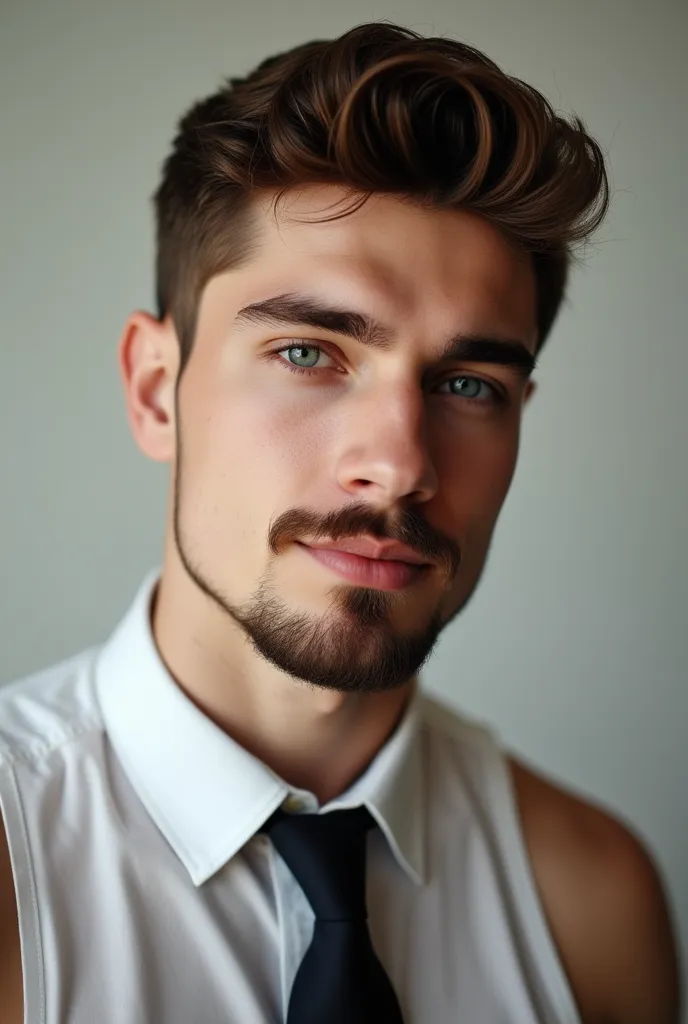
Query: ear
x,y
531,388
148,359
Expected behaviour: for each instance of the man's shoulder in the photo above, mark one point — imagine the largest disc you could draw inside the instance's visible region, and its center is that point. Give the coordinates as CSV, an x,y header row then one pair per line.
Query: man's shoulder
x,y
40,711
598,883
604,900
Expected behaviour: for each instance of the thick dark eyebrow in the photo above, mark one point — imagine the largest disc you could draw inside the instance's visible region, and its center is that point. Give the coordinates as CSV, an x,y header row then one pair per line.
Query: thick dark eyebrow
x,y
291,309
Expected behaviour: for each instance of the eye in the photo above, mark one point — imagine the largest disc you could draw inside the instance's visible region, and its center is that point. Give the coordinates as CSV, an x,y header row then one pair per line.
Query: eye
x,y
303,352
466,387
310,354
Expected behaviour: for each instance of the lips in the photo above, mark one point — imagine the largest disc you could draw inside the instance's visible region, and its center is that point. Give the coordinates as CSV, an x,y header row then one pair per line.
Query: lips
x,y
367,547
378,573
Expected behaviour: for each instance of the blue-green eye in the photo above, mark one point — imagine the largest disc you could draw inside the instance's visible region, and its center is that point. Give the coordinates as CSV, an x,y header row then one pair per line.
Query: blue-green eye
x,y
466,387
305,352
462,386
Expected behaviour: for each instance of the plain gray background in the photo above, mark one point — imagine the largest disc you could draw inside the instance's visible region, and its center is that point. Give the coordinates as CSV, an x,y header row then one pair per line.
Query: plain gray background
x,y
575,646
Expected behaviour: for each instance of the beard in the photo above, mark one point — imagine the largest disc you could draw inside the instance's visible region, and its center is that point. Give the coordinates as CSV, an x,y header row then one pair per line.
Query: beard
x,y
353,646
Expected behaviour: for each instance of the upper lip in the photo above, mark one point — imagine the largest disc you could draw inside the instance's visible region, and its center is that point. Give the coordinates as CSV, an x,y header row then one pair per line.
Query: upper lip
x,y
369,548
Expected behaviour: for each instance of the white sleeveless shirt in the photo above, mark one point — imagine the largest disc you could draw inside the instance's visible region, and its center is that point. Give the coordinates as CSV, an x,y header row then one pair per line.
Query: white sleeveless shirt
x,y
145,896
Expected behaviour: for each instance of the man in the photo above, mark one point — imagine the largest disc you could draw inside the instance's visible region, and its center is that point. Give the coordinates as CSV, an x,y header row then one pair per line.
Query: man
x,y
242,808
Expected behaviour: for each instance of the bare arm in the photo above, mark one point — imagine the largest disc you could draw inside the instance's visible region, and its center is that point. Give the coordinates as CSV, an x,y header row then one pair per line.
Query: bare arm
x,y
605,904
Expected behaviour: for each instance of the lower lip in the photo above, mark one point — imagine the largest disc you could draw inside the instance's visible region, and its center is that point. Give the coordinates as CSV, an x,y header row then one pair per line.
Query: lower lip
x,y
383,574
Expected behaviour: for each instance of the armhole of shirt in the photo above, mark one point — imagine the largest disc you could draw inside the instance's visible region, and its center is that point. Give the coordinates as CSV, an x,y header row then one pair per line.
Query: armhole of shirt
x,y
12,819
535,937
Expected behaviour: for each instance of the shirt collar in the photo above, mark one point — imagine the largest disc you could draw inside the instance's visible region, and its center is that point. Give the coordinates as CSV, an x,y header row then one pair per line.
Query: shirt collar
x,y
205,792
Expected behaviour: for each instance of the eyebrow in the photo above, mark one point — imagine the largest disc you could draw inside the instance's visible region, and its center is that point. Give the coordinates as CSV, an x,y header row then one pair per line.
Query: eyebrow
x,y
292,309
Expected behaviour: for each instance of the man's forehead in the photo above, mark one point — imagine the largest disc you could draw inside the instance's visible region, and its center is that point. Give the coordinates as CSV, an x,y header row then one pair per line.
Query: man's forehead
x,y
333,212
379,258
393,235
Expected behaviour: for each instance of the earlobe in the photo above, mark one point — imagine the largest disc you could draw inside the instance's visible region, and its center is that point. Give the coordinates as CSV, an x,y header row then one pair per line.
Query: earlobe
x,y
148,358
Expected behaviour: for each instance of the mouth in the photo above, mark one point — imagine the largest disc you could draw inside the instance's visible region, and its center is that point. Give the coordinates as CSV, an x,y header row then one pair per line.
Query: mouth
x,y
378,573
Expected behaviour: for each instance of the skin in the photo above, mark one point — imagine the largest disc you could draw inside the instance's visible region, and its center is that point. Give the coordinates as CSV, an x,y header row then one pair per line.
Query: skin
x,y
307,671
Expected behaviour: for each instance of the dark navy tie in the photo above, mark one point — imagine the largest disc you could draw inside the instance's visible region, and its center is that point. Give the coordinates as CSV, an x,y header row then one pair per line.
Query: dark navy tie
x,y
340,979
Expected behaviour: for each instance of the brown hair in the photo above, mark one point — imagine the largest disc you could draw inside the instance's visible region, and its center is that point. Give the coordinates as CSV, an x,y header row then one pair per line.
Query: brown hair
x,y
380,109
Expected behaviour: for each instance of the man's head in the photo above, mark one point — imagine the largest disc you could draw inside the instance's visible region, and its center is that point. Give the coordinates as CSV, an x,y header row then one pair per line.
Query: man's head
x,y
394,216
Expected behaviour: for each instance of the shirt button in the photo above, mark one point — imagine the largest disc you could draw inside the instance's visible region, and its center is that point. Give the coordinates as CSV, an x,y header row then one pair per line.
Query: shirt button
x,y
293,804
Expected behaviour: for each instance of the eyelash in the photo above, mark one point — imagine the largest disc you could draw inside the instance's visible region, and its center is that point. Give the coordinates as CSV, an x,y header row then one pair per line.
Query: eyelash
x,y
497,399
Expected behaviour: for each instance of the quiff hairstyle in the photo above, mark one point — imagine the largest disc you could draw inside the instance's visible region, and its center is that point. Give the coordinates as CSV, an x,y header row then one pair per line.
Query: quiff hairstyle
x,y
379,109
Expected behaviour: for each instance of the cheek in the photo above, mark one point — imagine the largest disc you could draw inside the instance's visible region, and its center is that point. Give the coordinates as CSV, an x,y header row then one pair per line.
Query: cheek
x,y
250,450
476,470
474,490
236,473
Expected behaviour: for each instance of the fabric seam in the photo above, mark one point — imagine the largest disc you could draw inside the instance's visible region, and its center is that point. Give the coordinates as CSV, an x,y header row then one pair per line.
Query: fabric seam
x,y
32,968
526,909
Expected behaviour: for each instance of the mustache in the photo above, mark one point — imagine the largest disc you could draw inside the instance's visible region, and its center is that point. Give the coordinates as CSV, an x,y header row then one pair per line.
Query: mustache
x,y
407,528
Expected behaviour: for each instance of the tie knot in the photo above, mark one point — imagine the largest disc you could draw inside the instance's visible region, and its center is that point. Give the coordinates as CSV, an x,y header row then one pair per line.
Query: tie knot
x,y
326,853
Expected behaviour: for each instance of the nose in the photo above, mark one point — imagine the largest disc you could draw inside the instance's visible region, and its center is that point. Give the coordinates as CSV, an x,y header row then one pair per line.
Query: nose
x,y
384,455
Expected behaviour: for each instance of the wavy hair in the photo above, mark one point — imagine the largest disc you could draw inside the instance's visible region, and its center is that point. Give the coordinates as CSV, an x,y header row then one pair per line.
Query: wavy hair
x,y
379,109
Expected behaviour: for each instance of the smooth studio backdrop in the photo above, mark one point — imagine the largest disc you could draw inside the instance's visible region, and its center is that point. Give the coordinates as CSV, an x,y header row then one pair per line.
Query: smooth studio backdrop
x,y
575,645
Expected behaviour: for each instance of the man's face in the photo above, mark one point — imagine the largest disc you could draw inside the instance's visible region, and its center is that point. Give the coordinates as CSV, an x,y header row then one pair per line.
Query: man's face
x,y
379,440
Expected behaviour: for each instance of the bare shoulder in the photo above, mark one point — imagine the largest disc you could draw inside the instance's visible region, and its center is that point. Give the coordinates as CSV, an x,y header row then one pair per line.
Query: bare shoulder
x,y
11,995
605,904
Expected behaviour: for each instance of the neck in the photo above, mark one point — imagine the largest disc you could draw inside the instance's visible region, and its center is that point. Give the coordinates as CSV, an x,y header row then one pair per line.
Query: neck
x,y
313,738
